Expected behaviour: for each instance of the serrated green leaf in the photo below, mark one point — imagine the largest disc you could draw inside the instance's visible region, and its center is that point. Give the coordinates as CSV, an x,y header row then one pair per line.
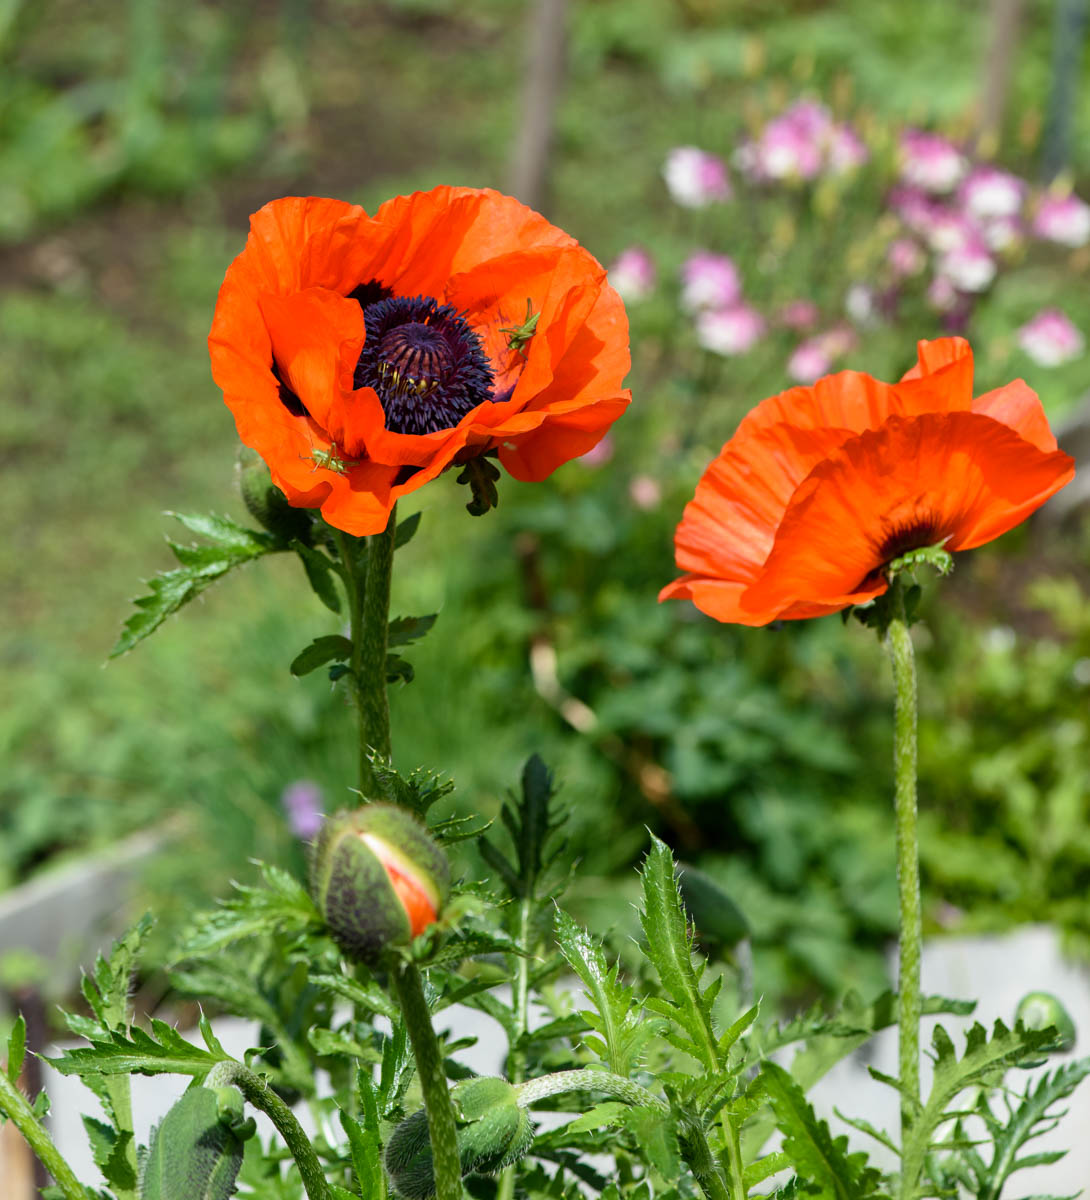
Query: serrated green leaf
x,y
225,532
601,1116
399,668
337,1042
369,996
163,1051
321,575
16,1048
1032,1117
655,1131
201,566
617,1015
110,1150
282,905
406,529
404,630
670,951
320,651
817,1157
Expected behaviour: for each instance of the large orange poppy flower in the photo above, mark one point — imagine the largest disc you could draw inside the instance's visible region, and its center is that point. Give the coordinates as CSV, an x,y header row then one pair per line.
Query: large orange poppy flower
x,y
361,356
821,487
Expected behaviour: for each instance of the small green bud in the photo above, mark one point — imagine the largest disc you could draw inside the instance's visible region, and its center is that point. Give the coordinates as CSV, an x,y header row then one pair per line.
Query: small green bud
x,y
1039,1010
267,504
378,878
493,1132
195,1151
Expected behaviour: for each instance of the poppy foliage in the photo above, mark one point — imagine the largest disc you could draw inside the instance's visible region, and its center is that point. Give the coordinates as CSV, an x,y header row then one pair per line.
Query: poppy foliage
x,y
822,487
363,355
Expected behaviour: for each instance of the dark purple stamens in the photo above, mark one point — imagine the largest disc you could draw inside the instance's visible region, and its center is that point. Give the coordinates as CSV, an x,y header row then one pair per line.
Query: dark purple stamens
x,y
424,362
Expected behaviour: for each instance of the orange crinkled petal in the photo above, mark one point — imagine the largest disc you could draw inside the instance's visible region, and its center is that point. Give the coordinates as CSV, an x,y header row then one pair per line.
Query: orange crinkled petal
x,y
958,478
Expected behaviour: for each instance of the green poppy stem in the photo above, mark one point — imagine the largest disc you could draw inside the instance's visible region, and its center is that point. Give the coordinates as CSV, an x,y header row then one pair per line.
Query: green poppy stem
x,y
260,1095
367,570
899,646
442,1131
14,1105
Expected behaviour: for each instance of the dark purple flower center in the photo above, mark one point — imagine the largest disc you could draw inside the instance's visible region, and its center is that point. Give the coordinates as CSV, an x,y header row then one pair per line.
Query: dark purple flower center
x,y
425,363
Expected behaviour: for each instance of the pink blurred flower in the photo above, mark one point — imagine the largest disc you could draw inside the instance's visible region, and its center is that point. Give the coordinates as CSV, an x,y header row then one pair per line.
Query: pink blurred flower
x,y
729,331
645,492
799,314
598,455
905,257
969,267
633,274
709,281
950,230
809,361
942,295
1050,339
1063,219
914,207
844,150
695,178
839,340
930,162
988,192
302,804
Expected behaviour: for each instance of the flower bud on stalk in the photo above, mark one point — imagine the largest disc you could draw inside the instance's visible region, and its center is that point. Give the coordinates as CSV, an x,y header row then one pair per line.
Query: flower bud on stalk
x,y
267,504
378,878
196,1150
493,1132
1039,1010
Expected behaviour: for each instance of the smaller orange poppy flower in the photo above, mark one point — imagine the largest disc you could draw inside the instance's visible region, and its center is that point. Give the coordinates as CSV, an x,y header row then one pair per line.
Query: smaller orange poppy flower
x,y
822,487
361,356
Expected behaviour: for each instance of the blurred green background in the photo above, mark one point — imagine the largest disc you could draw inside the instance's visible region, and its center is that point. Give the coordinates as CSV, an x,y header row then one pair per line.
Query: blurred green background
x,y
134,141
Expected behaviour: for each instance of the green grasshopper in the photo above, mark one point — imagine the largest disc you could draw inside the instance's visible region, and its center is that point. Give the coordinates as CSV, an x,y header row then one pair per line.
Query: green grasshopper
x,y
518,336
330,460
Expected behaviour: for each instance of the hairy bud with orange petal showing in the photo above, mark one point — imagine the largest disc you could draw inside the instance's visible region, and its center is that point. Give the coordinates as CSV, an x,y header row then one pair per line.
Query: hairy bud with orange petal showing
x,y
378,878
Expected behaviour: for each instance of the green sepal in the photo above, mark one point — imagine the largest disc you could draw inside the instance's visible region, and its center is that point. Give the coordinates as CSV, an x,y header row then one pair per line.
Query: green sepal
x,y
267,504
195,1152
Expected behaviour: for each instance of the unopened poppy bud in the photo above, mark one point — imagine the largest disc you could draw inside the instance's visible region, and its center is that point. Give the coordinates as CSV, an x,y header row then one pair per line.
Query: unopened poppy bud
x,y
196,1150
378,878
1039,1010
493,1132
267,504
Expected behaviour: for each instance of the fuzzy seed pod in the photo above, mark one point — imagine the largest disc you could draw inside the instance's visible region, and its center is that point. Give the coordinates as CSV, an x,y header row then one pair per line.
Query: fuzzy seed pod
x,y
493,1132
195,1152
378,878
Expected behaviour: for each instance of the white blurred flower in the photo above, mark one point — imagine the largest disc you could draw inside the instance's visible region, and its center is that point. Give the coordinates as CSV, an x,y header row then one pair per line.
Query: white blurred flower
x,y
969,267
695,178
1050,339
709,281
1063,219
729,331
988,192
861,304
930,162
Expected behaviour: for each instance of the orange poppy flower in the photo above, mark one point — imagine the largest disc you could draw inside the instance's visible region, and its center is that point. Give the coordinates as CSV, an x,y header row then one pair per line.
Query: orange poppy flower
x,y
361,356
821,487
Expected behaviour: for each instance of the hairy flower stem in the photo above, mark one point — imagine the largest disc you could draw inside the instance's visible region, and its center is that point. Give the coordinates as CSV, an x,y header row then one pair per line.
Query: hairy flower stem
x,y
692,1140
367,568
442,1131
260,1095
14,1105
899,646
516,1059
